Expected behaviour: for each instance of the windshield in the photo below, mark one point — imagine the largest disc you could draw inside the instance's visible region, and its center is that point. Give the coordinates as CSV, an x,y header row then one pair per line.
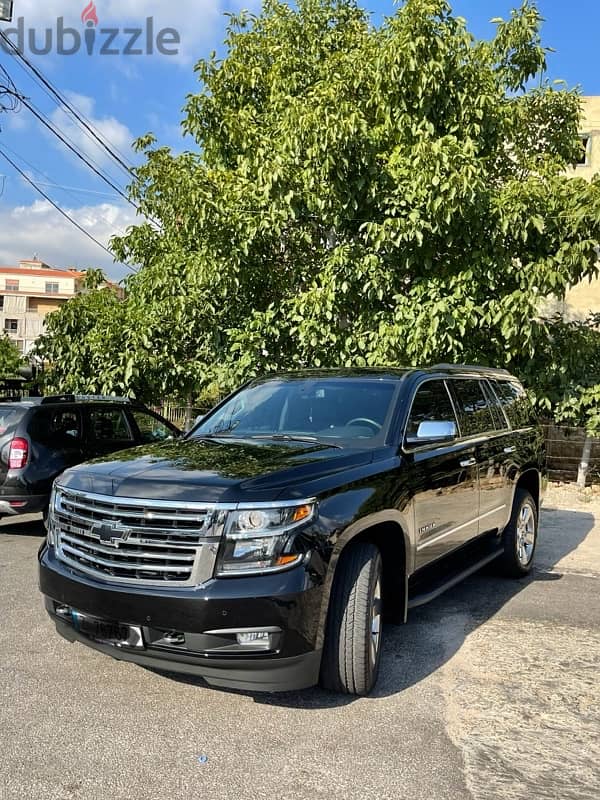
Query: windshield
x,y
331,410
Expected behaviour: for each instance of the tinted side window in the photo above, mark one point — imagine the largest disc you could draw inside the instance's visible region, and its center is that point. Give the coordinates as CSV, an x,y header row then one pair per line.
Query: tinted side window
x,y
432,402
150,428
514,399
500,422
55,427
474,412
109,425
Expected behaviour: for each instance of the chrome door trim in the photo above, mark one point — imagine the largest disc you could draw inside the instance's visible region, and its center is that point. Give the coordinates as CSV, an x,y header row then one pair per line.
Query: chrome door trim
x,y
459,527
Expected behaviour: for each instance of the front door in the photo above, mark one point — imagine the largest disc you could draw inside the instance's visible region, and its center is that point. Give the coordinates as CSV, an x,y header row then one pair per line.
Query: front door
x,y
108,430
443,479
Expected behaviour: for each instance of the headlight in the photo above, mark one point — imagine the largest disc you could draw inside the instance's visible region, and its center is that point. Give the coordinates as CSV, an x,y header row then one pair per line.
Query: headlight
x,y
259,539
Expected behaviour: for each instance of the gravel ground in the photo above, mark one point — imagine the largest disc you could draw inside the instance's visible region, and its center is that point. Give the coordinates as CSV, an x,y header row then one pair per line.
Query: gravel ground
x,y
489,692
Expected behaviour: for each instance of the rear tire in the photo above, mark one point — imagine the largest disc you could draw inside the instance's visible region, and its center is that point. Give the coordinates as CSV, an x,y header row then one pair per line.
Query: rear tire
x,y
520,536
352,648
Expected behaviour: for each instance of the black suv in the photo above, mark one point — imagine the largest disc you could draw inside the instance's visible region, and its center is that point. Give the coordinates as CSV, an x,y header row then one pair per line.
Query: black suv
x,y
264,549
41,437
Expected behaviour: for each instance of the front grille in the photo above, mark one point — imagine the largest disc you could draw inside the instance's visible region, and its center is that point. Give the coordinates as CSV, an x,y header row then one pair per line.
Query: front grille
x,y
128,540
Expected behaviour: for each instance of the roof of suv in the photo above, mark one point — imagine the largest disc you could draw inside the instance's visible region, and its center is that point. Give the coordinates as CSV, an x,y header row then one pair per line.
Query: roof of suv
x,y
390,372
71,399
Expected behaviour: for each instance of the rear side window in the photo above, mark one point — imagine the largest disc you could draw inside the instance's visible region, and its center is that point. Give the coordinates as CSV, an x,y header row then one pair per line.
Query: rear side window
x,y
473,408
109,425
55,427
515,402
432,403
10,417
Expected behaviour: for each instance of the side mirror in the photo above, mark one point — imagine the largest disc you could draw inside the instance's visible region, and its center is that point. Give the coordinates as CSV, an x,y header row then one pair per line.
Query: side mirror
x,y
432,431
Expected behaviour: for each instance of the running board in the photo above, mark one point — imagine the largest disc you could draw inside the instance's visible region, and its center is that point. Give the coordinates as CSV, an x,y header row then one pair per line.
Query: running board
x,y
426,597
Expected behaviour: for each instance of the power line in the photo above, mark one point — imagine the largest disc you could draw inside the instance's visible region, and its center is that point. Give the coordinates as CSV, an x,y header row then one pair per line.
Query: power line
x,y
59,97
57,207
69,189
53,129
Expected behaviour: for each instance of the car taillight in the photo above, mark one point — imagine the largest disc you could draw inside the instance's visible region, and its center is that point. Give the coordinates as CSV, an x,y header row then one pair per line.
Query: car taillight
x,y
18,453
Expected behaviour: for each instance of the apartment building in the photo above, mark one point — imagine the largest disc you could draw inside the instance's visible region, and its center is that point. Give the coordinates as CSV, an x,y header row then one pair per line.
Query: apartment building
x,y
30,291
584,298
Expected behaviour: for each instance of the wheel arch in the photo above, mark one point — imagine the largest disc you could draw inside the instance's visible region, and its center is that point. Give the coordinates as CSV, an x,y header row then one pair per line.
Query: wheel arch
x,y
389,532
530,480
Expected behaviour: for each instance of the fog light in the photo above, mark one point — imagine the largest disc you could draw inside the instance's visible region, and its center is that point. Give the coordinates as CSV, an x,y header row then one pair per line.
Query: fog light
x,y
254,638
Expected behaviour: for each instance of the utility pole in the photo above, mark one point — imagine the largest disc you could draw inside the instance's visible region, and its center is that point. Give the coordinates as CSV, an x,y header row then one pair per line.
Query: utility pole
x,y
6,10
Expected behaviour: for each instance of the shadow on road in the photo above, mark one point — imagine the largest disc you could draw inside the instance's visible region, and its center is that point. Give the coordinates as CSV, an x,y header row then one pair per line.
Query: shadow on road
x,y
31,525
414,651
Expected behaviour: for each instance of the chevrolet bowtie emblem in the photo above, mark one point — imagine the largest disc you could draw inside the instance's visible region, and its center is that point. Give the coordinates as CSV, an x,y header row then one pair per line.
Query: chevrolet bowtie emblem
x,y
111,533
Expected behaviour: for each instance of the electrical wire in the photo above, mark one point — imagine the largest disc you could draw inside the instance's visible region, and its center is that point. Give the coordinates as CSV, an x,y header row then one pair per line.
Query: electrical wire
x,y
53,129
57,96
57,207
8,90
72,191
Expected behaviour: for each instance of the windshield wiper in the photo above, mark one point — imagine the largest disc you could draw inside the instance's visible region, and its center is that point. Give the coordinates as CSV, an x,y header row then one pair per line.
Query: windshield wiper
x,y
288,437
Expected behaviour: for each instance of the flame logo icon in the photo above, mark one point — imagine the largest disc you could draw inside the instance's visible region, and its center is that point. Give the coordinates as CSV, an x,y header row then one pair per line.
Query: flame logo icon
x,y
89,15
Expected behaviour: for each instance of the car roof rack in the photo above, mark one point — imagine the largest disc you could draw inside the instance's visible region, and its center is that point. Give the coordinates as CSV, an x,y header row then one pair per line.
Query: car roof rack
x,y
472,367
84,398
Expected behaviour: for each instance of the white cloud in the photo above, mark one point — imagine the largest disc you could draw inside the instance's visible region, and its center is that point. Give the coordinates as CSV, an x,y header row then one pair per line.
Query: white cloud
x,y
110,129
40,229
198,23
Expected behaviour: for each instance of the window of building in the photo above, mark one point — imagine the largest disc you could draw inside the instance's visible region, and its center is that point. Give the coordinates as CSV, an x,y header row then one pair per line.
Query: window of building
x,y
12,286
52,288
584,155
1,302
11,325
32,304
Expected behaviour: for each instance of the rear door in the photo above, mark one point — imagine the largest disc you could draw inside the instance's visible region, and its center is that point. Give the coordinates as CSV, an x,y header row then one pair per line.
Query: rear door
x,y
482,421
443,478
107,431
56,436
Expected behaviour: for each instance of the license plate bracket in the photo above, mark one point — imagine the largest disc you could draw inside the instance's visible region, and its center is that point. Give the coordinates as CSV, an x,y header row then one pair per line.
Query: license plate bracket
x,y
103,631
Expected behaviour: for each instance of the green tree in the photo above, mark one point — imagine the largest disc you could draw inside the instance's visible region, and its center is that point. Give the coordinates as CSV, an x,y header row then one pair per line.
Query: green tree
x,y
10,357
356,195
82,343
364,195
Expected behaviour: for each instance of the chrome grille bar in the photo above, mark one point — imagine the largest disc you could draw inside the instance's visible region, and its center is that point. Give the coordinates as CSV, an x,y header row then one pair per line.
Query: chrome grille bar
x,y
129,540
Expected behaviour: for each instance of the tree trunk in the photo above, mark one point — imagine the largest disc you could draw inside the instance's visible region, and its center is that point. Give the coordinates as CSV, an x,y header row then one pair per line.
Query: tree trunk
x,y
585,462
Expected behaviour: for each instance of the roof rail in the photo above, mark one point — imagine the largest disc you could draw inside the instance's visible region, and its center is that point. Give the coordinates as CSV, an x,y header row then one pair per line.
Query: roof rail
x,y
474,367
84,398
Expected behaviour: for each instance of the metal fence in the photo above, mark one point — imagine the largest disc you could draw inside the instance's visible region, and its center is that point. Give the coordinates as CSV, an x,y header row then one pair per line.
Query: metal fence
x,y
177,414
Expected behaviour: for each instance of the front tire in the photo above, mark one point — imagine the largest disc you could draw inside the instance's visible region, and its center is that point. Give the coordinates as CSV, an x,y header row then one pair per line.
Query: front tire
x,y
520,536
352,648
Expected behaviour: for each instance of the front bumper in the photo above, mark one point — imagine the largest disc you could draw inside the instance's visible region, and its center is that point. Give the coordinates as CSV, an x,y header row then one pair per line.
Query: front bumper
x,y
288,603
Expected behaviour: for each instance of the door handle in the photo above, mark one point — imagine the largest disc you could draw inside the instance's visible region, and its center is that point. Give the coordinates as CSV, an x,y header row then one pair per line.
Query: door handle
x,y
469,462
508,450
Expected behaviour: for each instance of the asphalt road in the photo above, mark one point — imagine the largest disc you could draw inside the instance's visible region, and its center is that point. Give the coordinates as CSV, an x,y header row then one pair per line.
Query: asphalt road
x,y
490,692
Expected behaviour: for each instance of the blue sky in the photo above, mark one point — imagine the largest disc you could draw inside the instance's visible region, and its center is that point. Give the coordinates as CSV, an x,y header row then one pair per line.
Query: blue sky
x,y
127,95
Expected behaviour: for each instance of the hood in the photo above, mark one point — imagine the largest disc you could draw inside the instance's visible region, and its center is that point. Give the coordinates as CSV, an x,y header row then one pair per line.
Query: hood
x,y
211,470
